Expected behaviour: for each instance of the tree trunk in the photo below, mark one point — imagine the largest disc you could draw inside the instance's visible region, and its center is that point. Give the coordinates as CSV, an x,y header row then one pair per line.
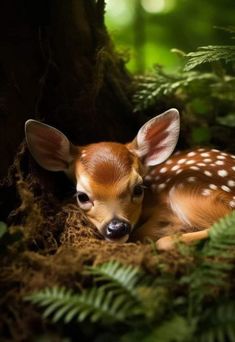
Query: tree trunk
x,y
57,64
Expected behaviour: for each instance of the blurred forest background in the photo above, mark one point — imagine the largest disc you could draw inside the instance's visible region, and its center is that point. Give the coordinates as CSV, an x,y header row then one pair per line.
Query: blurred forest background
x,y
148,30
186,51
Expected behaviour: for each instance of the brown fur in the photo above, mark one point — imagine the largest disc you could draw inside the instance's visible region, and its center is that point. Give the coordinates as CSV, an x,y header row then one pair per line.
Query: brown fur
x,y
187,193
107,163
181,207
109,171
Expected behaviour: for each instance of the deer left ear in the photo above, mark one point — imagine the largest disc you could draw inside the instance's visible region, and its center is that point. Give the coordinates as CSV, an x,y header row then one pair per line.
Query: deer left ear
x,y
157,138
49,147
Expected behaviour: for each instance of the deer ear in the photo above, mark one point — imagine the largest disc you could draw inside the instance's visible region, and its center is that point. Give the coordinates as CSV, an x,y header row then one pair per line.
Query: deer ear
x,y
49,147
157,138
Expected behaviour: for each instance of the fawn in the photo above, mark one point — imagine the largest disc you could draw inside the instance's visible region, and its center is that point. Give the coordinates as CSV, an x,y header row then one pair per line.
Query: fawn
x,y
133,191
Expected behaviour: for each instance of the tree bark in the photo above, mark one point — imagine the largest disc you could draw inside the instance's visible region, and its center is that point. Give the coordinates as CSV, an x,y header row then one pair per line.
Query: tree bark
x,y
58,65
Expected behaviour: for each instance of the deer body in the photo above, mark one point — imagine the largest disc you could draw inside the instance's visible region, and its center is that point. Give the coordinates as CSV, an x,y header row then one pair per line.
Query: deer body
x,y
133,191
189,192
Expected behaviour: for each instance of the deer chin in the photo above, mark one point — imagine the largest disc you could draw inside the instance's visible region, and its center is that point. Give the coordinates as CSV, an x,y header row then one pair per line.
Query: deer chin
x,y
123,239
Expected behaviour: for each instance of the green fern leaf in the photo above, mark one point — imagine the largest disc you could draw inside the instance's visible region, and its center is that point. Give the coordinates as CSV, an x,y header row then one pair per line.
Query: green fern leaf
x,y
154,87
118,277
175,329
217,324
60,303
208,54
215,261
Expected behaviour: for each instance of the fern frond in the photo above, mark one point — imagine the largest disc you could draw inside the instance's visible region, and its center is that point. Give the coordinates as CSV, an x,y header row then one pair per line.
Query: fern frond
x,y
95,303
215,260
132,282
175,328
118,277
217,324
152,88
222,238
208,54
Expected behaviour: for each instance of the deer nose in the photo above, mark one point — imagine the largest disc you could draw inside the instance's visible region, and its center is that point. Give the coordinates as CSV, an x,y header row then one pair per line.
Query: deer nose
x,y
116,229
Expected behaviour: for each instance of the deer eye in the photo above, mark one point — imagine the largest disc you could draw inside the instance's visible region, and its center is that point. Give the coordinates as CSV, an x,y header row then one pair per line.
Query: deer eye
x,y
83,200
138,190
82,197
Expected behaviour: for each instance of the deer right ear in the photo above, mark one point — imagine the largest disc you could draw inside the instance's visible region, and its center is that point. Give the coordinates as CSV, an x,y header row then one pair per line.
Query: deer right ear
x,y
49,147
157,139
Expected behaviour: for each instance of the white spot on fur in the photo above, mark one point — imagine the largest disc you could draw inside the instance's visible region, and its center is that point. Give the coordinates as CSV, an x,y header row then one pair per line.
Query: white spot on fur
x,y
191,179
206,192
213,186
181,161
205,154
233,168
220,157
225,188
214,150
161,186
189,162
222,173
195,168
201,149
179,171
232,204
201,164
219,162
191,154
176,167
231,183
169,161
207,160
163,170
207,173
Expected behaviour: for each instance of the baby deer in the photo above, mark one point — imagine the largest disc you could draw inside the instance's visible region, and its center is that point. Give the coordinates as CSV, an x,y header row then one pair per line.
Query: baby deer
x,y
133,191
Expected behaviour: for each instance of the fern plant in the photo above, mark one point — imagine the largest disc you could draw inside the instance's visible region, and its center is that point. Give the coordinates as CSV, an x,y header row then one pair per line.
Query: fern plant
x,y
204,95
123,294
215,262
95,304
208,54
197,306
160,84
217,323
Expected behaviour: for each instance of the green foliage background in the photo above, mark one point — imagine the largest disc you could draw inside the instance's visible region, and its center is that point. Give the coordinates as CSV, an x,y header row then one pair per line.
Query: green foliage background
x,y
149,33
160,36
203,90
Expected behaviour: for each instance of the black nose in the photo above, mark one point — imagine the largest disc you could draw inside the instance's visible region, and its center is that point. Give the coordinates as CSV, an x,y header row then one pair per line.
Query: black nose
x,y
116,229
